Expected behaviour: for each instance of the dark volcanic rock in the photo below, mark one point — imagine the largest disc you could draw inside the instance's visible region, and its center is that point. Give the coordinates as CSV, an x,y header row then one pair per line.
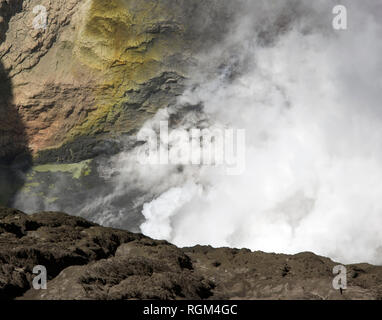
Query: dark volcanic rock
x,y
86,261
54,240
141,269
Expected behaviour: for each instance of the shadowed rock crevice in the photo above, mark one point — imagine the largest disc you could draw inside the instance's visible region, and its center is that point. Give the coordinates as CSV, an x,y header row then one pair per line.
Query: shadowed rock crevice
x,y
15,157
7,9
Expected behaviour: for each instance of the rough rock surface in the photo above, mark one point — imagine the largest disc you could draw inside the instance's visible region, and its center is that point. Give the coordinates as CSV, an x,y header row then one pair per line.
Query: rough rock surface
x,y
97,70
77,87
86,261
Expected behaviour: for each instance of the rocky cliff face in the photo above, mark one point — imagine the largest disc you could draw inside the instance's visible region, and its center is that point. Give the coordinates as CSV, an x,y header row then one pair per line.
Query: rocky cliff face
x,y
75,84
86,261
98,70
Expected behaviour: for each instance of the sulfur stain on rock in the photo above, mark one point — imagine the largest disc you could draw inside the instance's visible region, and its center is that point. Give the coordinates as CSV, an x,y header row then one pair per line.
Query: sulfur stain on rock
x,y
97,72
101,68
130,45
77,170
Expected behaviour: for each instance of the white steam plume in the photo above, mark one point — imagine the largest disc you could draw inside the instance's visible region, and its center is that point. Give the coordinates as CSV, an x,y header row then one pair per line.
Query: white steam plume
x,y
309,98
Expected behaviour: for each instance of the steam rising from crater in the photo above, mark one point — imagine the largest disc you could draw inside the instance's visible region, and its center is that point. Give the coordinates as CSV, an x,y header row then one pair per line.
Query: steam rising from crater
x,y
309,98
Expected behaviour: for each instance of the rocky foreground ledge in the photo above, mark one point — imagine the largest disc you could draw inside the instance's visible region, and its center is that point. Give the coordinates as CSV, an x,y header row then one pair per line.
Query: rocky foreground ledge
x,y
87,261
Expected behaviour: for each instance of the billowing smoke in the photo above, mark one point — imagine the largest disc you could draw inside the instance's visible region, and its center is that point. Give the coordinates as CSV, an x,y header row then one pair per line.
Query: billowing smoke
x,y
309,98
